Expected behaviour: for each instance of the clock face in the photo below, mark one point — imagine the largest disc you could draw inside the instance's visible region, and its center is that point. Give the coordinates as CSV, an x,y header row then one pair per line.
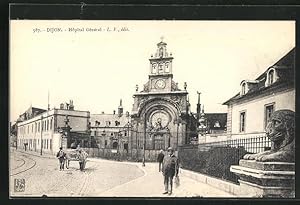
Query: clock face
x,y
160,84
160,119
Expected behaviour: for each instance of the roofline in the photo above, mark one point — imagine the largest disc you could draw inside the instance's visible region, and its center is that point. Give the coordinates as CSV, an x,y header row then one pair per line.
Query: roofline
x,y
277,87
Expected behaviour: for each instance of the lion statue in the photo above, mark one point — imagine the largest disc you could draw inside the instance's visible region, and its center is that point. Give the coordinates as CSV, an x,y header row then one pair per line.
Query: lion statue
x,y
280,130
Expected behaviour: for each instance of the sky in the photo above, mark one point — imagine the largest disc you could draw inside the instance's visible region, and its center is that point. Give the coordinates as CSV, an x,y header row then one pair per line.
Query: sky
x,y
96,69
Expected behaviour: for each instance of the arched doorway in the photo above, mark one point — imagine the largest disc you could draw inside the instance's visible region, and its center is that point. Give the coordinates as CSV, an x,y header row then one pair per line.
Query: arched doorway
x,y
115,145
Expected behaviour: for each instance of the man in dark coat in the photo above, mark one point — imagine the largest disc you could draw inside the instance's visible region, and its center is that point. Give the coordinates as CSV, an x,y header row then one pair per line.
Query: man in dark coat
x,y
170,169
160,159
61,158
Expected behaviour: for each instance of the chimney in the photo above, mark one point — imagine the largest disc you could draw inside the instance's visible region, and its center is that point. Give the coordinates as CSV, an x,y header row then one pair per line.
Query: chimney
x,y
71,106
120,109
61,106
198,106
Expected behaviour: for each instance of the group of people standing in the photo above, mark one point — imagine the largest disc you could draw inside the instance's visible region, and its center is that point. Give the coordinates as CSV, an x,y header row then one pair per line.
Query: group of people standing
x,y
64,159
169,166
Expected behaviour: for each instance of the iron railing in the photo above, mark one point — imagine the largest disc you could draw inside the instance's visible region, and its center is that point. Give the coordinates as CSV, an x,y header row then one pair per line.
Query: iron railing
x,y
215,158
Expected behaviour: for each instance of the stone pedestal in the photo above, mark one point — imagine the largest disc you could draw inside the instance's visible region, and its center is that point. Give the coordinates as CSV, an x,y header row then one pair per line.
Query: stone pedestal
x,y
265,179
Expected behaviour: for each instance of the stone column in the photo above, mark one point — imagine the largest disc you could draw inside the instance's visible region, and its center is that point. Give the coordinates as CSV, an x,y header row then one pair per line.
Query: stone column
x,y
265,179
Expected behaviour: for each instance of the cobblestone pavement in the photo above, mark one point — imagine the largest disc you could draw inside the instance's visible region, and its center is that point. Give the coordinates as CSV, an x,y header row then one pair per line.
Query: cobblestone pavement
x,y
101,178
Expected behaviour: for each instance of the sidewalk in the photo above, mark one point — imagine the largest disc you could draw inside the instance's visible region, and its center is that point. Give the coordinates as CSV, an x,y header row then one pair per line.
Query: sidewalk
x,y
151,185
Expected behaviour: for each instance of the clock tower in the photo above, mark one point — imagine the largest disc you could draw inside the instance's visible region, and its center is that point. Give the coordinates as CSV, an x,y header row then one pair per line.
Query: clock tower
x,y
160,76
160,112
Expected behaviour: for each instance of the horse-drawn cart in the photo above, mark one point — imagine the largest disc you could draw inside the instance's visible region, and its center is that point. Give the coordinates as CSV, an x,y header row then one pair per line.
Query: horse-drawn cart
x,y
75,155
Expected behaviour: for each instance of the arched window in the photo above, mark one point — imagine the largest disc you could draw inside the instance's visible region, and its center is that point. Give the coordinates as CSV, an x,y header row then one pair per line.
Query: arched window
x,y
115,145
243,92
271,77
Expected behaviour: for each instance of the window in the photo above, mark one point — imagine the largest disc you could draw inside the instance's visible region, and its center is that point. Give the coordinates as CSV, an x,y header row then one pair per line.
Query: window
x,y
50,144
126,147
51,123
217,124
105,143
243,92
47,124
115,145
167,69
117,123
242,121
125,134
271,77
107,123
269,109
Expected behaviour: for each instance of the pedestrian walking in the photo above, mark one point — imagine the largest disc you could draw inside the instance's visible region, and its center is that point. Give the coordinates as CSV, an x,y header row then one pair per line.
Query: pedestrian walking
x,y
81,159
61,158
160,159
170,169
67,160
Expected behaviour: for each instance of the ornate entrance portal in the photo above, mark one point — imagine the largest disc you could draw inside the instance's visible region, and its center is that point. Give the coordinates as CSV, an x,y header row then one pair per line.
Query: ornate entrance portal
x,y
158,108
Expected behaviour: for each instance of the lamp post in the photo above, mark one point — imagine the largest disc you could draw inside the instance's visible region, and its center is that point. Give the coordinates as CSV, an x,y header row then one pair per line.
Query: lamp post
x,y
202,126
144,146
42,135
177,122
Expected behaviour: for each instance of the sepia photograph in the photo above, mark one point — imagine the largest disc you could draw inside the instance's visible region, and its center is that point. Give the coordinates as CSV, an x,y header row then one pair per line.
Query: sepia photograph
x,y
152,108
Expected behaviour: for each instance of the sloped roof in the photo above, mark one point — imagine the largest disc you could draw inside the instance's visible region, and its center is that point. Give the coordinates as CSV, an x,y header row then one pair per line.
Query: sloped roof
x,y
103,118
285,71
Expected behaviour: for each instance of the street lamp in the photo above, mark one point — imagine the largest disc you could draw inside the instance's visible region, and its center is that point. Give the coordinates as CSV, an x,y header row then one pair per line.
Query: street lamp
x,y
202,126
144,146
42,135
177,122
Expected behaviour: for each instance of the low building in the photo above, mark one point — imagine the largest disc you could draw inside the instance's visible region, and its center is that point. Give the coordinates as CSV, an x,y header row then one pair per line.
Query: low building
x,y
111,133
250,109
45,130
212,127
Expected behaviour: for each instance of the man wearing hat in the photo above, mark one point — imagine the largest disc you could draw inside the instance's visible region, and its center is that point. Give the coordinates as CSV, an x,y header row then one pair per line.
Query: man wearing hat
x,y
61,158
169,170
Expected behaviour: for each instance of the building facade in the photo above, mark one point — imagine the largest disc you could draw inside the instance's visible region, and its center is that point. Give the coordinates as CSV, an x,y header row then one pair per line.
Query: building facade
x,y
45,130
111,131
250,109
161,111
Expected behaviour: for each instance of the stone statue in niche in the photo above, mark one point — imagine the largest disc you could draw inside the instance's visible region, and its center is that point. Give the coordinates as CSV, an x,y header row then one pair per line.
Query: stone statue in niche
x,y
280,130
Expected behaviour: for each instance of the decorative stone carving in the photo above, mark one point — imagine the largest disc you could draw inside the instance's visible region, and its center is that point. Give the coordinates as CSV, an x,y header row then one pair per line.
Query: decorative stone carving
x,y
280,130
177,100
174,86
146,87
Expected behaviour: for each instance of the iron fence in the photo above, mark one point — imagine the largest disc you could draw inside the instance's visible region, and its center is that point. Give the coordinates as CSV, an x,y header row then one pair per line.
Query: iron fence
x,y
254,144
215,158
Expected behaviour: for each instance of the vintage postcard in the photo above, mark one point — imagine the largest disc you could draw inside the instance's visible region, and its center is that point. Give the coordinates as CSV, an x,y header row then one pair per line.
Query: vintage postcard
x,y
152,108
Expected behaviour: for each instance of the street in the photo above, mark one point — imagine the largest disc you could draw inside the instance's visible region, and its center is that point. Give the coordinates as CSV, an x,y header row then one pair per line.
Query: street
x,y
101,178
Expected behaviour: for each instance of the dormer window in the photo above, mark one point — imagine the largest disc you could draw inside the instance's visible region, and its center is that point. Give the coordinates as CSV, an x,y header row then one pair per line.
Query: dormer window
x,y
244,88
271,77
